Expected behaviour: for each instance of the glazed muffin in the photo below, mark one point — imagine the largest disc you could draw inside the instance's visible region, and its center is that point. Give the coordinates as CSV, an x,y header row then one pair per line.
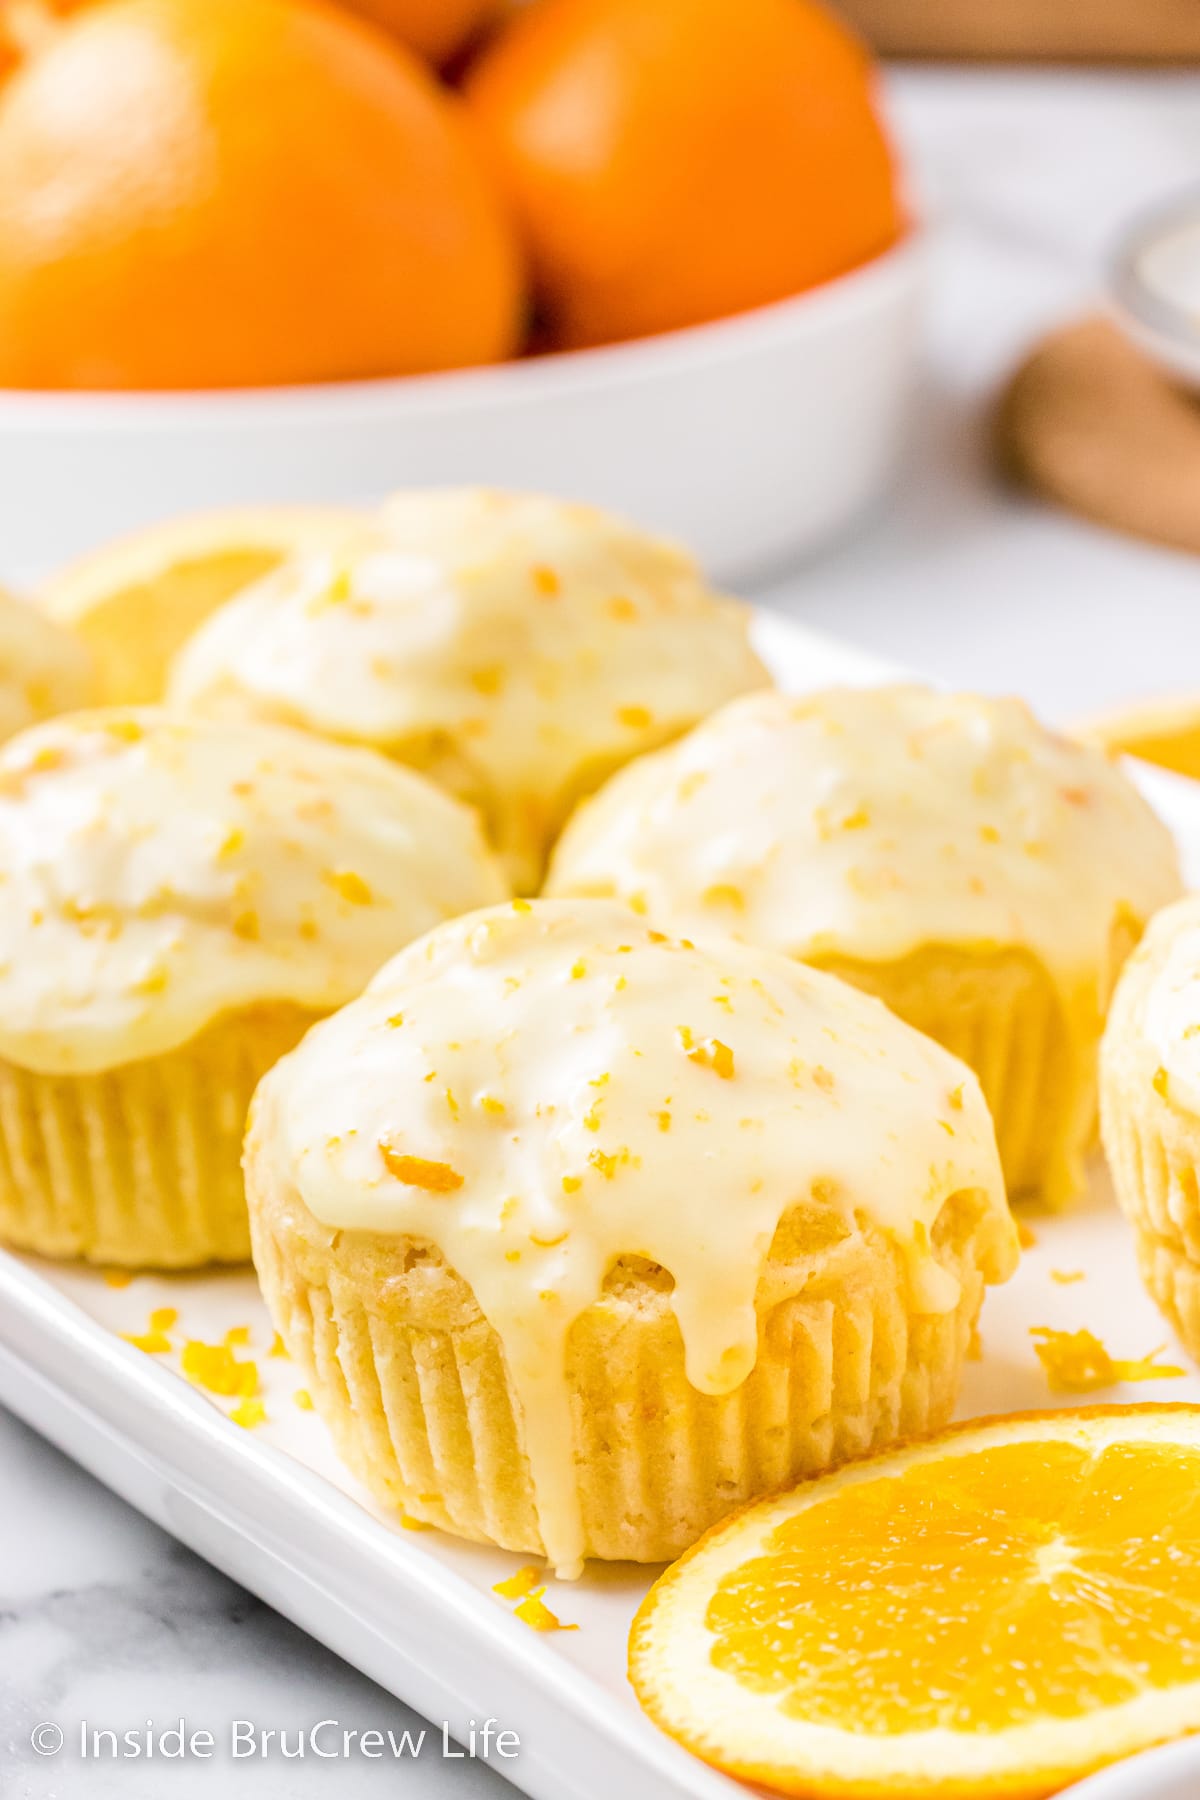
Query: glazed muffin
x,y
582,1235
179,902
44,669
135,601
515,649
983,876
1150,1110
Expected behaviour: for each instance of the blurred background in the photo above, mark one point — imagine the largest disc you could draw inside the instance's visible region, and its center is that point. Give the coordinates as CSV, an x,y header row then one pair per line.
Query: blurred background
x,y
890,308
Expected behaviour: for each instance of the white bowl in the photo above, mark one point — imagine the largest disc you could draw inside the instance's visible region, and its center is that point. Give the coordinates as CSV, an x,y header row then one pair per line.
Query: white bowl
x,y
1155,286
752,439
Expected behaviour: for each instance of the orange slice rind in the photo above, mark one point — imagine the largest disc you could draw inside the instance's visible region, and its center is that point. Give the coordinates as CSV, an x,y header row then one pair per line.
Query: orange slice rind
x,y
1165,732
993,1613
137,600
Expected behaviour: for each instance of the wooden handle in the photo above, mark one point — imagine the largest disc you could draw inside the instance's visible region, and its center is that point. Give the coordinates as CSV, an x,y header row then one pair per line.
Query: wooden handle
x,y
1092,423
1058,30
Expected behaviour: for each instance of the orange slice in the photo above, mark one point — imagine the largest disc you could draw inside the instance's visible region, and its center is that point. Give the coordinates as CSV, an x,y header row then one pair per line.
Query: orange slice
x,y
995,1611
1165,732
136,601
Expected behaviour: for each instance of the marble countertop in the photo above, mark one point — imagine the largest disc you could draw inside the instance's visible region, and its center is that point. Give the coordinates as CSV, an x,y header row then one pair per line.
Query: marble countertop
x,y
1025,178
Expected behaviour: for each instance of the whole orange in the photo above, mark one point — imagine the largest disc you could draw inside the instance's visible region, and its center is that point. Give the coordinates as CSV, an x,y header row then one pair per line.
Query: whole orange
x,y
436,29
672,161
24,24
226,193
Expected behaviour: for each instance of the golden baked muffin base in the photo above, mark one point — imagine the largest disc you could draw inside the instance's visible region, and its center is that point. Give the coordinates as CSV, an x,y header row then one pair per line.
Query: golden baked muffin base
x,y
140,1165
1000,1012
411,1379
1153,1151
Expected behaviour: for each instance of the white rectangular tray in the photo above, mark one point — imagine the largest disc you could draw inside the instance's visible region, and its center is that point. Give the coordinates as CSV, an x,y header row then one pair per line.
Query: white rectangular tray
x,y
274,1509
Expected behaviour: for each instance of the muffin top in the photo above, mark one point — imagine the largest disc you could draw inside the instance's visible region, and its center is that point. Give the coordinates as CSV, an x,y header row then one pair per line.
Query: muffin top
x,y
544,1088
1166,976
869,822
157,871
518,649
43,668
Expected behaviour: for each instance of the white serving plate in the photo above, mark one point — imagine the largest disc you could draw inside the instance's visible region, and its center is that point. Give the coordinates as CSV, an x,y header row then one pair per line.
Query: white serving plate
x,y
415,1610
751,439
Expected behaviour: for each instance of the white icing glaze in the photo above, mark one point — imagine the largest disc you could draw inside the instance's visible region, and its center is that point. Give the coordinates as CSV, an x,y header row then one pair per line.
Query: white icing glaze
x,y
1171,1018
518,648
870,822
575,1087
157,871
43,669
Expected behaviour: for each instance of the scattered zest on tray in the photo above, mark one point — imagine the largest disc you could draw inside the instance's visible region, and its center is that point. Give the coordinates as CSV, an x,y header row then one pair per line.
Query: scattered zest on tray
x,y
215,1368
531,1607
248,1414
1076,1362
994,1611
154,1340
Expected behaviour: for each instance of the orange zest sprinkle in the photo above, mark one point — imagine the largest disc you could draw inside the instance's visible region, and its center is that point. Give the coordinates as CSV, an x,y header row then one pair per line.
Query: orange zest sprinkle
x,y
521,906
713,1054
248,1414
635,718
488,680
411,1524
571,1184
1025,1235
545,580
163,1317
1065,1277
154,1343
1076,1362
419,1172
349,885
117,1278
238,1336
215,1368
1160,1082
278,1348
723,893
126,731
340,589
396,1020
515,1586
303,1399
533,1612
